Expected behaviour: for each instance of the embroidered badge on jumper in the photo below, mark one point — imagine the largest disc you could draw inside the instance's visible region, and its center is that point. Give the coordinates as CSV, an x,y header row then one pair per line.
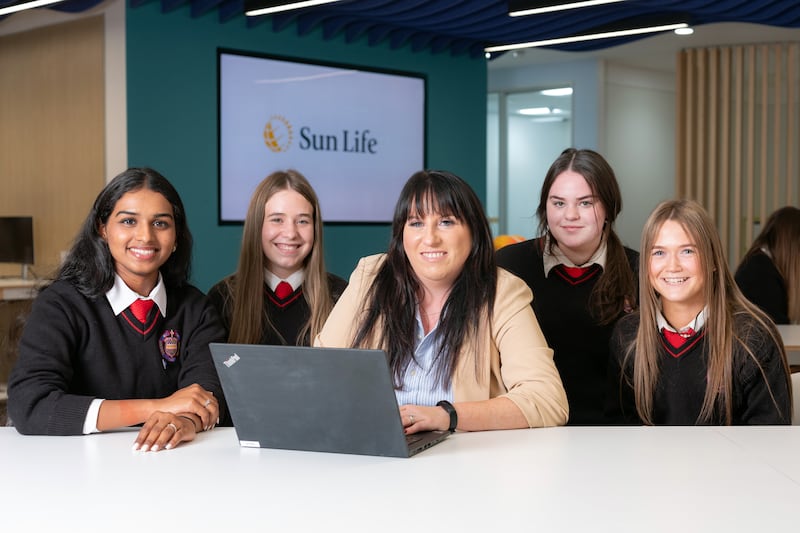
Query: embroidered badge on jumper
x,y
169,344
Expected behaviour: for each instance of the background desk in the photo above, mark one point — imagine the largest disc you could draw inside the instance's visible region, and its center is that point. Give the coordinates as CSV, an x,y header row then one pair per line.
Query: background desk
x,y
16,295
791,340
560,479
17,288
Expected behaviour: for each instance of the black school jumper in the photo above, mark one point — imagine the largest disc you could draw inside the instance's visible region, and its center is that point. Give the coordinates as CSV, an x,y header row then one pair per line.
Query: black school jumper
x,y
287,315
682,379
73,350
579,343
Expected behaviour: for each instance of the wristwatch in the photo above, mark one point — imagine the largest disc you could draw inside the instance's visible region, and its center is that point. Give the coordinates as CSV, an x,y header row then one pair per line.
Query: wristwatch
x,y
447,406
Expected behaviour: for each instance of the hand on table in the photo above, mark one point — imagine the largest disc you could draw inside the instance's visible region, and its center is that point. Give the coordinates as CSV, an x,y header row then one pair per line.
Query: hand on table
x,y
164,431
193,400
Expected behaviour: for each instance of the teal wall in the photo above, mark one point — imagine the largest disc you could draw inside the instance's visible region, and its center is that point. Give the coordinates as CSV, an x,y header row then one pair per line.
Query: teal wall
x,y
172,118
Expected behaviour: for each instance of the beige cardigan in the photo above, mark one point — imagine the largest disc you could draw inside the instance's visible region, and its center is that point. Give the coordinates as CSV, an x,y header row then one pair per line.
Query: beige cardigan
x,y
516,362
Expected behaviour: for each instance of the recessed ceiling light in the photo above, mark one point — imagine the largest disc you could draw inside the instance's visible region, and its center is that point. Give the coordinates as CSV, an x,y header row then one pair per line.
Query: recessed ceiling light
x,y
534,111
549,119
560,91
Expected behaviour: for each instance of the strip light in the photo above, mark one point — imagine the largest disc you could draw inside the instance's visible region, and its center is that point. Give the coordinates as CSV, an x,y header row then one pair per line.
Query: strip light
x,y
287,7
27,5
579,38
559,7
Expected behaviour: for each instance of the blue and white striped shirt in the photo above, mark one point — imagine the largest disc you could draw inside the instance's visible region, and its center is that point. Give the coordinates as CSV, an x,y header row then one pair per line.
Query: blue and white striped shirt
x,y
419,381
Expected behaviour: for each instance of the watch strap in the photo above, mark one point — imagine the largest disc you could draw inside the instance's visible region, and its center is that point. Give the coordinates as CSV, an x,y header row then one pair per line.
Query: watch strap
x,y
447,406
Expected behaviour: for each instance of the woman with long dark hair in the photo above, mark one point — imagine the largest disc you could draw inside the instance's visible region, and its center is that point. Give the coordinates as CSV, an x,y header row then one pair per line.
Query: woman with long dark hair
x,y
120,337
463,343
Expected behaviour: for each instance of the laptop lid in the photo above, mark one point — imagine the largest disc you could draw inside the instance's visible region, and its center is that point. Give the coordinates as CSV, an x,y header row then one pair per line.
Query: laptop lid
x,y
315,399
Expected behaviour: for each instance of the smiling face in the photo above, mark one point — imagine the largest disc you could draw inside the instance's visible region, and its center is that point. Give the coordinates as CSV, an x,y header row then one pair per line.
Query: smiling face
x,y
140,233
676,273
437,246
287,235
575,216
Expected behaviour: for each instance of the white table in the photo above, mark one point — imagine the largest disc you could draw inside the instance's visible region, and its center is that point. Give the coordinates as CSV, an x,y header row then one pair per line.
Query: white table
x,y
628,479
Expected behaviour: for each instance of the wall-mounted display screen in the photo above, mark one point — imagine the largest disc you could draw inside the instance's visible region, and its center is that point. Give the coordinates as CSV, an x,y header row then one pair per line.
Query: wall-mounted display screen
x,y
356,134
16,240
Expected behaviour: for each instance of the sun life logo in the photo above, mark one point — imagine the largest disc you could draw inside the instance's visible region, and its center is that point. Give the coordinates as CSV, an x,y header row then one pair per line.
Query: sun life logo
x,y
278,134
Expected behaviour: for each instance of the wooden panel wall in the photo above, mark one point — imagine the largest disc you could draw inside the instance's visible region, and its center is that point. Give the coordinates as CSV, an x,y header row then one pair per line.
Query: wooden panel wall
x,y
738,135
51,132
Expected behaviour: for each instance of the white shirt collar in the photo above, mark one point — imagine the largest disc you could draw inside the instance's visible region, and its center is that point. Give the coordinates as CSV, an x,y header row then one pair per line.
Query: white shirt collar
x,y
696,324
557,257
120,296
295,279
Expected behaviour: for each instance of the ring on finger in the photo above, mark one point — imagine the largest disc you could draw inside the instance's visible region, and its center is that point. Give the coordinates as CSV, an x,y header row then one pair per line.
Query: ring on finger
x,y
207,402
173,426
412,418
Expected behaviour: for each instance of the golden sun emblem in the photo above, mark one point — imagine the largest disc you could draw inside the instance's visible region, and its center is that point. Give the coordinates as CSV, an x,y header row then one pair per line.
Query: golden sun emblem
x,y
278,134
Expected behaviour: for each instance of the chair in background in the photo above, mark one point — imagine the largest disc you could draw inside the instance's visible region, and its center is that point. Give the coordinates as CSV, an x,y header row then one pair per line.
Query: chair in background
x,y
505,240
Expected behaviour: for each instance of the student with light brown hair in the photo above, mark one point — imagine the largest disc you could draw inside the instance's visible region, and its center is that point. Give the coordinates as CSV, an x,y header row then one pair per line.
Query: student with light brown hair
x,y
769,274
697,351
280,292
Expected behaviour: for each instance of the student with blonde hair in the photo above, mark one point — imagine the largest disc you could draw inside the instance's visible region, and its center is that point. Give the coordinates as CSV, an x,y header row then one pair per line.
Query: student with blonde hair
x,y
769,274
697,351
280,292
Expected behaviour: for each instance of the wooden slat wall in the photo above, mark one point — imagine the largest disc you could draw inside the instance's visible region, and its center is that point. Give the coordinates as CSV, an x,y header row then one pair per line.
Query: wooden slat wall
x,y
737,135
52,133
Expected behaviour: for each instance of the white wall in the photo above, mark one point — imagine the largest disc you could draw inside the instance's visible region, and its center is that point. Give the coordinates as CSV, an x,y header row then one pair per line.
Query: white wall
x,y
532,148
585,77
113,11
640,142
625,113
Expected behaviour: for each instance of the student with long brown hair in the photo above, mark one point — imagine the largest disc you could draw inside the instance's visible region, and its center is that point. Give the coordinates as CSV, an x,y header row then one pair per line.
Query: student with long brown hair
x,y
769,274
280,292
582,277
697,352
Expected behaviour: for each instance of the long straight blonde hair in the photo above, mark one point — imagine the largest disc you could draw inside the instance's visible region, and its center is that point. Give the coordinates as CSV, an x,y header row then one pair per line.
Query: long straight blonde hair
x,y
724,302
249,318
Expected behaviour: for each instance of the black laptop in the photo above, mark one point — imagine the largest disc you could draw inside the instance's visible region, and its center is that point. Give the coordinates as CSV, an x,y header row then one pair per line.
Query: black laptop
x,y
315,399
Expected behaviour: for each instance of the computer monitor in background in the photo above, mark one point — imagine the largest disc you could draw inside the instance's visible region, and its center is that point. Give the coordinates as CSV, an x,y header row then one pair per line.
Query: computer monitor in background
x,y
16,242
